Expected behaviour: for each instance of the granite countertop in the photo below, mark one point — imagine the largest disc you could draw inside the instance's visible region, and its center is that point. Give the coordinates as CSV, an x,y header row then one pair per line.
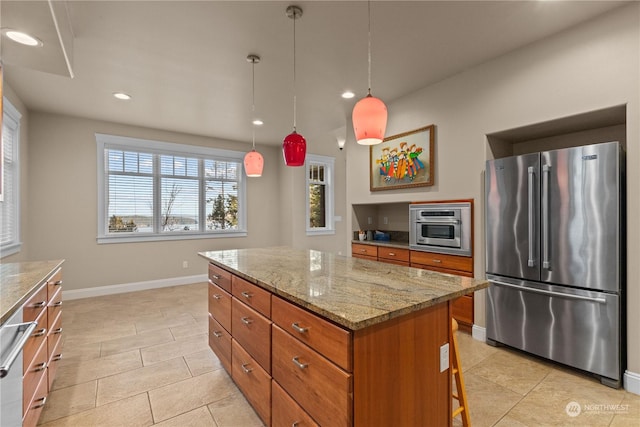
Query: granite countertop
x,y
20,280
352,292
388,243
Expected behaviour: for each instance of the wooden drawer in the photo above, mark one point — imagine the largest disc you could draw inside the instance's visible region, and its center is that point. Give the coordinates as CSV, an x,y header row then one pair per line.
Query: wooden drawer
x,y
54,308
37,339
35,406
252,295
451,262
220,277
358,250
462,309
285,411
35,305
54,361
220,343
34,373
326,338
442,270
220,306
321,388
54,335
393,254
253,331
54,283
254,381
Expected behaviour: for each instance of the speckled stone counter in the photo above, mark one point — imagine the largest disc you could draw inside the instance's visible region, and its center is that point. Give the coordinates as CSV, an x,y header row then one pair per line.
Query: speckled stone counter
x,y
354,293
18,281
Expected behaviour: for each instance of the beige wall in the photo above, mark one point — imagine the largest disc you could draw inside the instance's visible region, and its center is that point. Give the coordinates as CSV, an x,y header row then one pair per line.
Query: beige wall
x,y
590,67
62,198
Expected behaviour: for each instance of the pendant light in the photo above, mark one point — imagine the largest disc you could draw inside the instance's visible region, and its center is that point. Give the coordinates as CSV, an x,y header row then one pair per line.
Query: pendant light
x,y
294,146
253,161
369,115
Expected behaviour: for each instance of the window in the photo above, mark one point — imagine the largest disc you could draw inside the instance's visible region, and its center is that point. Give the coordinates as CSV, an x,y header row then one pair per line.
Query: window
x,y
10,200
150,190
319,194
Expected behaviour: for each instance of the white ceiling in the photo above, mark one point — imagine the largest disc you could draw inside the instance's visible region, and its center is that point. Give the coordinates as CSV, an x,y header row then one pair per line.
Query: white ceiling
x,y
185,64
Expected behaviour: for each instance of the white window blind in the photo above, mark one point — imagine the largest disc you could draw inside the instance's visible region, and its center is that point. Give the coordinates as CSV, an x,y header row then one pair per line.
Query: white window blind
x,y
320,194
152,190
10,203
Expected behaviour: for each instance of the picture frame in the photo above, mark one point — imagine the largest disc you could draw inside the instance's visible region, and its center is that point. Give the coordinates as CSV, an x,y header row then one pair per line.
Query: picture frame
x,y
405,160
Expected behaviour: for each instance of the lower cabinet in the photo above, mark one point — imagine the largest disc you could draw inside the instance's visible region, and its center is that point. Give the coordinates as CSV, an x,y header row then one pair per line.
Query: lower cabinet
x,y
252,380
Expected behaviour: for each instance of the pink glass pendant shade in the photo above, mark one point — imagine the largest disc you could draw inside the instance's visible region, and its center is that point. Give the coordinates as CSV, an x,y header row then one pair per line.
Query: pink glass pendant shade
x,y
253,163
369,119
294,149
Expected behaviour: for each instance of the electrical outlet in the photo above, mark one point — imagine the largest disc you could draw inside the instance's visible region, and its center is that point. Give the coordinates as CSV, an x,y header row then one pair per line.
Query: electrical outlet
x,y
369,220
444,357
185,264
385,220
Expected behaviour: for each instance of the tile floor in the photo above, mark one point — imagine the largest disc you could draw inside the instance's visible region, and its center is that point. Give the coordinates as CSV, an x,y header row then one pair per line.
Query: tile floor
x,y
142,359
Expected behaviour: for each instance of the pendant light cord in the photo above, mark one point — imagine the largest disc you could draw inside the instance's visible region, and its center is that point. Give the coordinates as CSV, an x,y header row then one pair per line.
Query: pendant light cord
x,y
369,36
253,102
294,69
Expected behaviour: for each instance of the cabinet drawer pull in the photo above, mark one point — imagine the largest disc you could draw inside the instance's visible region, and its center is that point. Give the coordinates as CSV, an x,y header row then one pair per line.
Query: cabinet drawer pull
x,y
40,367
437,260
42,401
39,332
298,363
246,320
245,369
215,276
363,250
247,295
299,328
217,334
57,331
57,304
39,304
58,283
392,254
56,357
295,424
217,296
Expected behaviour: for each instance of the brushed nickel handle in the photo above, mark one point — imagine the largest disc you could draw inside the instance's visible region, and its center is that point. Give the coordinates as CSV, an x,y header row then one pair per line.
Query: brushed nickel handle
x,y
39,304
57,331
295,424
246,320
56,357
299,328
58,283
298,363
40,367
217,334
56,304
437,261
217,296
392,254
42,401
215,276
246,294
363,250
39,332
245,369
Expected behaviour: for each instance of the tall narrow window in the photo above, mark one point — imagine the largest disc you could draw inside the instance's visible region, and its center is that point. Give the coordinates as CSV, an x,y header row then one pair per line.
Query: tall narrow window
x,y
152,190
10,200
319,194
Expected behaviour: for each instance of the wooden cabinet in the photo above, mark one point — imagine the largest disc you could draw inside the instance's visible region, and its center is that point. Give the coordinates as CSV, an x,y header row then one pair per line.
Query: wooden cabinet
x,y
393,255
254,381
285,411
253,331
42,351
364,251
220,306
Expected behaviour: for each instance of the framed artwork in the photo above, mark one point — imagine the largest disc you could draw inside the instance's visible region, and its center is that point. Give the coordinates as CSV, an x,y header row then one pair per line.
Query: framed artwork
x,y
403,161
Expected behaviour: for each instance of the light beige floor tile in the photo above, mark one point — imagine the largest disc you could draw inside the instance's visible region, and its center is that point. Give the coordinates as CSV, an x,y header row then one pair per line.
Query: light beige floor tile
x,y
514,371
200,417
88,370
628,413
507,421
178,398
472,351
142,340
190,329
166,322
92,335
130,412
140,380
69,401
172,349
488,401
74,353
234,411
202,362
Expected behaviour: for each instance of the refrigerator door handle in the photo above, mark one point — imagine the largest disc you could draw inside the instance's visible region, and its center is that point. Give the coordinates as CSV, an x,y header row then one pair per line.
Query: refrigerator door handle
x,y
552,293
531,262
545,218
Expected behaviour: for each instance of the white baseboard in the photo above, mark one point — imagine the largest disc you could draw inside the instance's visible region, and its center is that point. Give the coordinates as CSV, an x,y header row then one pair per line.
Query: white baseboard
x,y
131,287
479,333
632,382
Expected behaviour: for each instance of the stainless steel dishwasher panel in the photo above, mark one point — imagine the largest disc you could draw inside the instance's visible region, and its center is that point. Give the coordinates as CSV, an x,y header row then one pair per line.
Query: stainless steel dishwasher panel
x,y
575,327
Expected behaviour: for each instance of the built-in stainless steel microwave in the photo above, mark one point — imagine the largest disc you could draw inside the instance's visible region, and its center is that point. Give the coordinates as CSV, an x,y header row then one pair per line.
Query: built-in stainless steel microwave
x,y
441,227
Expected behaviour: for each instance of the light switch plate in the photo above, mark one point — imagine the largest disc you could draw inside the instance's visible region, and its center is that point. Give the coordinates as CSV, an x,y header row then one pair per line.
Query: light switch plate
x,y
444,357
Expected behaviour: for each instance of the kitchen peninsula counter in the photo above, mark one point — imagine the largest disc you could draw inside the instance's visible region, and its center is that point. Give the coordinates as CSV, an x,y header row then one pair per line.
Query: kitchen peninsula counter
x,y
314,338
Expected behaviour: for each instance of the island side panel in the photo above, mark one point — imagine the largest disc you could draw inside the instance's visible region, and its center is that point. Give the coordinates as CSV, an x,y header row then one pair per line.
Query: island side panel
x,y
397,378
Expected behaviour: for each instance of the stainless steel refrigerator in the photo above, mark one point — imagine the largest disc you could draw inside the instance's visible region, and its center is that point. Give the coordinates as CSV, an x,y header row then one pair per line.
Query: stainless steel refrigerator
x,y
555,253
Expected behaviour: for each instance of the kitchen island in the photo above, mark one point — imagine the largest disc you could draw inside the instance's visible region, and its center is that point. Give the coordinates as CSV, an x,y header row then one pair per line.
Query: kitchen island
x,y
321,339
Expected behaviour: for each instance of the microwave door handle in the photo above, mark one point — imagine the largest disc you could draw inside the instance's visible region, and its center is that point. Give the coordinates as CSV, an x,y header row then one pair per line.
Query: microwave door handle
x,y
531,262
546,263
439,221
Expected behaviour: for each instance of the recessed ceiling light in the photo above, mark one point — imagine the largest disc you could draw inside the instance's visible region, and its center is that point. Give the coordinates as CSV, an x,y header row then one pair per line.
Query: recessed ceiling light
x,y
22,38
122,95
258,122
348,94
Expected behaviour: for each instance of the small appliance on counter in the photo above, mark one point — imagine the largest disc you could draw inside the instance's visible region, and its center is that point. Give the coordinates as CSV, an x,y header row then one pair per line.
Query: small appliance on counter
x,y
441,227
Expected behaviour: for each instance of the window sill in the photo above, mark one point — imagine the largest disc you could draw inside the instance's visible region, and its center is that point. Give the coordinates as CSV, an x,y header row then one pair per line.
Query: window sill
x,y
10,249
165,237
320,232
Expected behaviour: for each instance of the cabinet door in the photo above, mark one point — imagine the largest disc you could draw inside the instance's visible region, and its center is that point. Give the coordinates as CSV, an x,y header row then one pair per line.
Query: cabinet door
x,y
253,331
254,381
220,306
220,343
450,262
386,253
254,296
364,251
285,411
220,277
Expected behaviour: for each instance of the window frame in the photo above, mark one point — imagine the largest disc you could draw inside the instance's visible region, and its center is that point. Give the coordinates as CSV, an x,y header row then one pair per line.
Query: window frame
x,y
329,167
104,141
11,118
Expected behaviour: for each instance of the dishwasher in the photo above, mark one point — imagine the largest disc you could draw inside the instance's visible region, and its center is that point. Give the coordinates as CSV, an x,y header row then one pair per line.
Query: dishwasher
x,y
13,336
